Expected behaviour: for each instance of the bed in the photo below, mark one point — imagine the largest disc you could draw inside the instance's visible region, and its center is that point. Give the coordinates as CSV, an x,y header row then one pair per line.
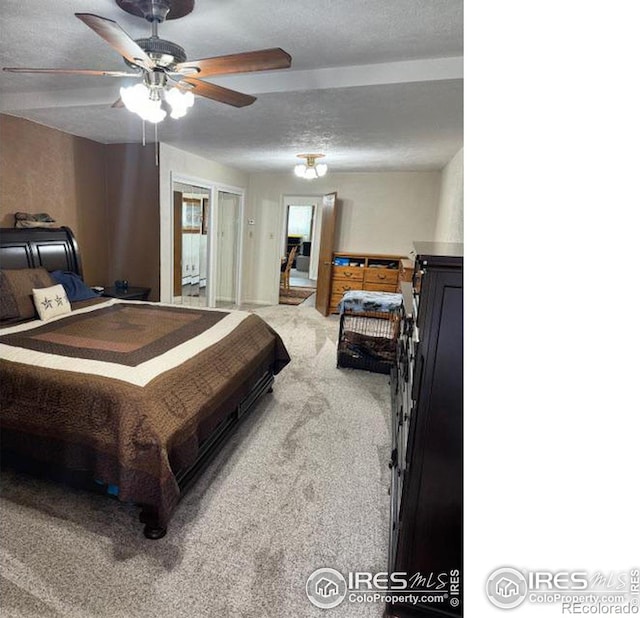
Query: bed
x,y
131,398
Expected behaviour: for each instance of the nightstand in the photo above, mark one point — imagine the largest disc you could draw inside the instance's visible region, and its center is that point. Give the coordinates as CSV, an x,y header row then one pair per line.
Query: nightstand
x,y
131,293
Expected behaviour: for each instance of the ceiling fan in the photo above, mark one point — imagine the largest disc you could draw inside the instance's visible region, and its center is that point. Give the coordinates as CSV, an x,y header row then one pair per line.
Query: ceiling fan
x,y
163,66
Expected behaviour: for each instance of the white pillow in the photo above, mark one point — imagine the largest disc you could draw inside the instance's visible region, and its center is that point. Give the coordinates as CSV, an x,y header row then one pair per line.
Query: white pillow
x,y
51,302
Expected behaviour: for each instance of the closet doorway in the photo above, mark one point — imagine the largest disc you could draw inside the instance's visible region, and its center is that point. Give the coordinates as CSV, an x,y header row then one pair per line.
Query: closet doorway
x,y
207,245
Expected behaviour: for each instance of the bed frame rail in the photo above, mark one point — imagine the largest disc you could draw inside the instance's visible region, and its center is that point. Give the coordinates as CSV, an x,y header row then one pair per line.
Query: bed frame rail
x,y
209,449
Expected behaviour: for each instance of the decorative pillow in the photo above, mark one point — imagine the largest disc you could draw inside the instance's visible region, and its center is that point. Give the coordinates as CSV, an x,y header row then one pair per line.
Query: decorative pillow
x,y
73,284
51,302
16,285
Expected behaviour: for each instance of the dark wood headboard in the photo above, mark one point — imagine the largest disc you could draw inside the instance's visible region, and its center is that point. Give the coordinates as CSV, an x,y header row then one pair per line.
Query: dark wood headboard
x,y
53,248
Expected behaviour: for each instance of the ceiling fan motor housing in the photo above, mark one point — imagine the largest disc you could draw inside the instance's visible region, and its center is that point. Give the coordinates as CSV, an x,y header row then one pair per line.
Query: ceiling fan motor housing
x,y
157,10
165,54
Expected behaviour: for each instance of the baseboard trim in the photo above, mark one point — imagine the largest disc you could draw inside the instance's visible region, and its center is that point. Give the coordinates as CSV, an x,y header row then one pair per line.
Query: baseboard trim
x,y
266,303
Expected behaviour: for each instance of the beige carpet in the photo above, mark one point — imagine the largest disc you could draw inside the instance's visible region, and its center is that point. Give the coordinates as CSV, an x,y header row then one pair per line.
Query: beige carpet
x,y
295,295
302,485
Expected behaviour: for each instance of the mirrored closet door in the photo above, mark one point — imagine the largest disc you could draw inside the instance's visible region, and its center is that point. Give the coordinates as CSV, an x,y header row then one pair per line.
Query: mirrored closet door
x,y
207,245
227,248
191,216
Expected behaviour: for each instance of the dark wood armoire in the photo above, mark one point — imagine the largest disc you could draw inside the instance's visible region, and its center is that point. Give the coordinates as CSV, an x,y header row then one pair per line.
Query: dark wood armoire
x,y
426,461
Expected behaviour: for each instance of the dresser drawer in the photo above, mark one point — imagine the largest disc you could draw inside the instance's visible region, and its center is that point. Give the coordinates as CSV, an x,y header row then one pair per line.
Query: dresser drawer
x,y
380,287
350,273
340,286
381,275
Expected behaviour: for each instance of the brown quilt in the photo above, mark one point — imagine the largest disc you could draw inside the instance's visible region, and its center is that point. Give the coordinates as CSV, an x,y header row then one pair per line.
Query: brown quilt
x,y
129,391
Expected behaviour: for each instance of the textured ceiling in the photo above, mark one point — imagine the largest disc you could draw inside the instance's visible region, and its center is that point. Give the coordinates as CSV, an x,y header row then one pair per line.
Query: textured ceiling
x,y
375,85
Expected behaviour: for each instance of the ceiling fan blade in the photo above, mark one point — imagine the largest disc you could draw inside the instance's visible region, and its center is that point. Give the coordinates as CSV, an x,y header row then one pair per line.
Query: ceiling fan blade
x,y
218,93
113,34
261,60
97,73
118,103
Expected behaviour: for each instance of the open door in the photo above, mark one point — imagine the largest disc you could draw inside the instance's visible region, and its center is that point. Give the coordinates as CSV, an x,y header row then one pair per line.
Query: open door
x,y
327,232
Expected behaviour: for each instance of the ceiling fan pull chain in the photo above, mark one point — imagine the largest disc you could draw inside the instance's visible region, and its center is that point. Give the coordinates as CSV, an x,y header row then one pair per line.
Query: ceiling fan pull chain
x,y
157,146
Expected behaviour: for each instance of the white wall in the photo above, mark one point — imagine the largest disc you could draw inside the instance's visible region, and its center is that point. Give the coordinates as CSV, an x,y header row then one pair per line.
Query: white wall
x,y
193,167
450,216
378,213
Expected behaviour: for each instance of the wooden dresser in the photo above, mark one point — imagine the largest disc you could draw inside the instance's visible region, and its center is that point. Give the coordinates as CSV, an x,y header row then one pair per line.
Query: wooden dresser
x,y
426,459
362,271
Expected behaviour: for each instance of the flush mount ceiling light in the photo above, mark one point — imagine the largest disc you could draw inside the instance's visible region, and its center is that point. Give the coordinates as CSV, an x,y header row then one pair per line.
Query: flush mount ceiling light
x,y
168,78
310,170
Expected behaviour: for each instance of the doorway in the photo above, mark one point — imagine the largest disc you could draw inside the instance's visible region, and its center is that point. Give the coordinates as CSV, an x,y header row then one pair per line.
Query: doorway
x,y
300,232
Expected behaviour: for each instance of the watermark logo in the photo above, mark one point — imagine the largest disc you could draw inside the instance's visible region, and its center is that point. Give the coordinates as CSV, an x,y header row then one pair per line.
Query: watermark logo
x,y
326,588
574,591
506,588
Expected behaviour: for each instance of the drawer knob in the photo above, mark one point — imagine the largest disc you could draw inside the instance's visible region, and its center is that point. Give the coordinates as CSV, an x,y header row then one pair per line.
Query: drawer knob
x,y
348,274
382,276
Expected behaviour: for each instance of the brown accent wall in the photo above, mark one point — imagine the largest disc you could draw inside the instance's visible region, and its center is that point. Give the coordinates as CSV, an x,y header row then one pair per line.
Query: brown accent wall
x,y
107,194
46,170
133,213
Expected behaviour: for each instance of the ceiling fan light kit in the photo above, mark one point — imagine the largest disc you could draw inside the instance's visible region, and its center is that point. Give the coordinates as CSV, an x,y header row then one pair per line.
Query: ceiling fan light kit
x,y
310,170
145,99
162,65
180,101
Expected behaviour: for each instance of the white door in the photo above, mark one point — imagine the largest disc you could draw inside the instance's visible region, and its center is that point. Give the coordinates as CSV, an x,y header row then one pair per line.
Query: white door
x,y
227,249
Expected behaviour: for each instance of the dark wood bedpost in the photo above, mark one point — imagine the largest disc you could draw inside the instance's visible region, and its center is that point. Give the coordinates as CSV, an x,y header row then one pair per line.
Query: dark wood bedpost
x,y
76,251
152,529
